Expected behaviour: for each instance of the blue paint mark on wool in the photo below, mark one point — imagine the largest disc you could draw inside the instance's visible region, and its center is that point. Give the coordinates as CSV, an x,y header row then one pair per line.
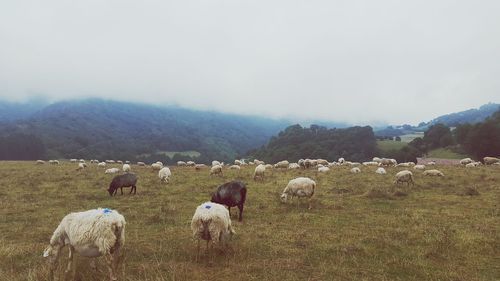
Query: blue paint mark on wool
x,y
107,211
208,206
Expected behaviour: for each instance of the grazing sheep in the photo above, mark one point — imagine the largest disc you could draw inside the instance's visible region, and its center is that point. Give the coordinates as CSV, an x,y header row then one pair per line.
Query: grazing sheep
x,y
82,160
406,164
110,161
323,169
370,163
433,173
293,166
466,161
308,163
121,181
190,163
322,162
181,163
388,162
112,171
259,172
119,161
81,166
471,165
258,162
250,163
269,166
126,168
237,162
490,160
419,167
355,170
40,162
216,163
300,187
141,164
73,160
198,167
216,170
235,167
376,159
431,163
102,165
127,162
54,162
164,174
404,176
211,222
93,233
354,164
156,166
282,164
380,171
341,161
231,194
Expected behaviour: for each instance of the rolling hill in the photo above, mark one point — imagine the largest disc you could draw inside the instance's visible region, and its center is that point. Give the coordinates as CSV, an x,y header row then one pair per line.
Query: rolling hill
x,y
102,129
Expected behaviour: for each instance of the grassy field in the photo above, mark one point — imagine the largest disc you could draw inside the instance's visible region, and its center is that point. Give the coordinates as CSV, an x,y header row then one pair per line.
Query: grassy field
x,y
387,145
357,229
445,153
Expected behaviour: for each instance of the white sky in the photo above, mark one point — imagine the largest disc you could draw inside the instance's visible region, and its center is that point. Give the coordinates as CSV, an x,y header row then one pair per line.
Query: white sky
x,y
354,61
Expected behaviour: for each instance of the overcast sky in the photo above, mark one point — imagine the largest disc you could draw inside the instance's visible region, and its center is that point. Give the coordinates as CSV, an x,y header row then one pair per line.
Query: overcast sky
x,y
355,61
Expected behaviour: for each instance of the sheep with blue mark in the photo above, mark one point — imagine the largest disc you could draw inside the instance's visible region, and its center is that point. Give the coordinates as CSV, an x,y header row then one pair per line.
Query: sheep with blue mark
x,y
211,222
92,233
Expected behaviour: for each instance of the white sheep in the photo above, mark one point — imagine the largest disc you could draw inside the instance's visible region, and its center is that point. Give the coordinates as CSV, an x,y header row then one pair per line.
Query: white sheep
x,y
259,172
406,164
235,167
282,164
119,161
370,163
141,164
380,171
181,163
388,162
323,169
81,166
431,163
237,162
54,162
258,162
216,170
341,161
198,167
190,163
490,160
93,233
40,162
126,168
156,166
300,187
293,166
215,163
355,170
101,165
322,162
73,160
211,222
433,173
112,171
466,161
419,167
164,174
404,176
269,166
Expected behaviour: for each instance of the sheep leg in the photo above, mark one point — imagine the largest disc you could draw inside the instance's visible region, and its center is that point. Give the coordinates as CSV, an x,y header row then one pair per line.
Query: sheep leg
x,y
198,250
310,206
109,263
240,207
70,260
121,189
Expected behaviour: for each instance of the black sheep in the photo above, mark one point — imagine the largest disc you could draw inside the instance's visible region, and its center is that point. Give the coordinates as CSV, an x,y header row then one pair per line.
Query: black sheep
x,y
231,194
121,181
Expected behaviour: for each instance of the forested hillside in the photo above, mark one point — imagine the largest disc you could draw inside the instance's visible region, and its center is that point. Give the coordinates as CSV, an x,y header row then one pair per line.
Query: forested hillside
x,y
119,130
295,142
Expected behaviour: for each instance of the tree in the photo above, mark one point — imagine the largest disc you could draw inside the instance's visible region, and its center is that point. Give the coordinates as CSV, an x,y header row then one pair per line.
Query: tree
x,y
437,136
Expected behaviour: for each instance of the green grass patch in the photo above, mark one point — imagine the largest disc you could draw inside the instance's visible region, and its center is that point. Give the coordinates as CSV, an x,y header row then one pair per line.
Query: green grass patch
x,y
445,153
436,232
387,145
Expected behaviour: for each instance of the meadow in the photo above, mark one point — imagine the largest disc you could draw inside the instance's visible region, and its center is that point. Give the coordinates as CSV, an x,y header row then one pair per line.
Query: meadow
x,y
361,226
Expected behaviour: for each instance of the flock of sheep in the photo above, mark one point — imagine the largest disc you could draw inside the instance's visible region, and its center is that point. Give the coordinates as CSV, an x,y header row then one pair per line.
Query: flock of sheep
x,y
101,232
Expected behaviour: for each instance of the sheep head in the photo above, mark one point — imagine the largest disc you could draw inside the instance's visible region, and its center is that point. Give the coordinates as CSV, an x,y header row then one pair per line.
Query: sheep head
x,y
283,197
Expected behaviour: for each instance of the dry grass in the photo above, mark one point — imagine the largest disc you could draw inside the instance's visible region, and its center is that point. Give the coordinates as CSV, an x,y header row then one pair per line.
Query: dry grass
x,y
432,233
